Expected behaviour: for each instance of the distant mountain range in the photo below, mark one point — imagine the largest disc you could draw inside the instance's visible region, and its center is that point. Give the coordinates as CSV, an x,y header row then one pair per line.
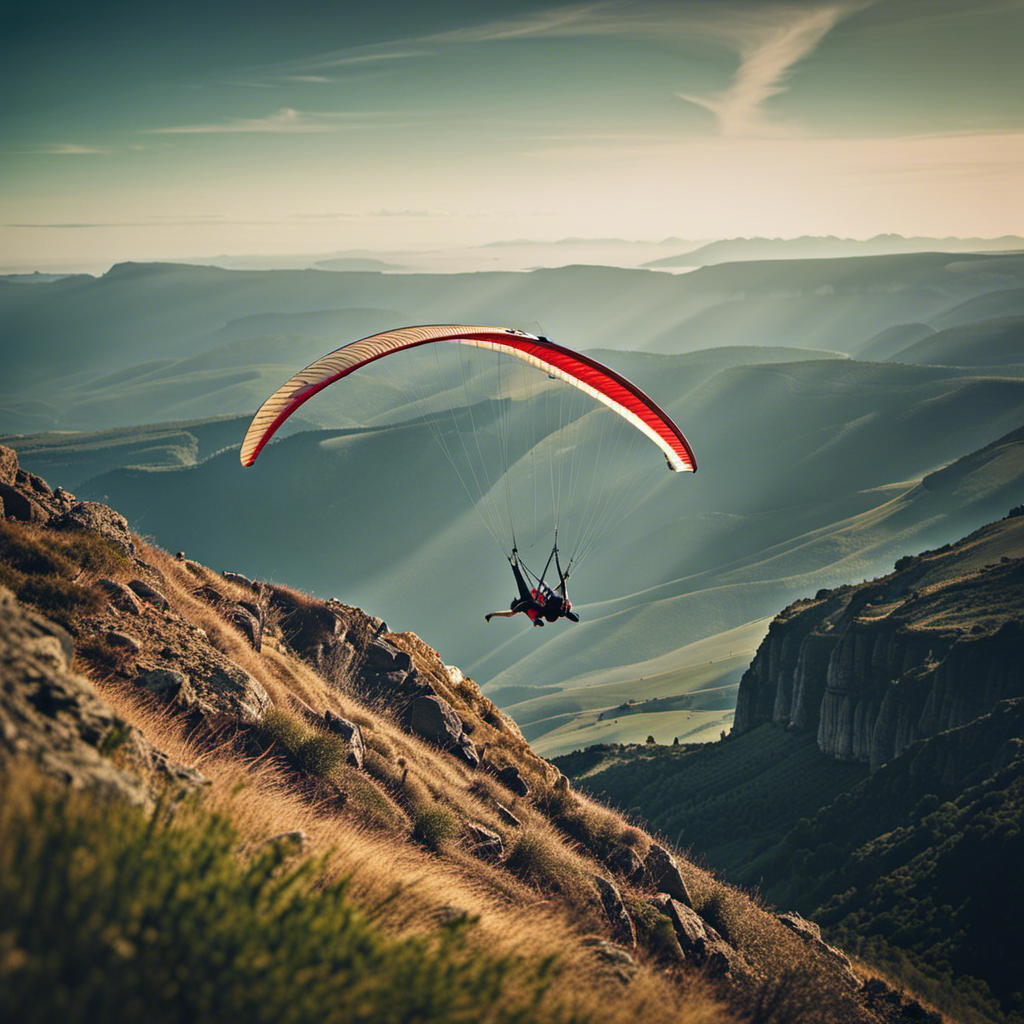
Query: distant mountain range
x,y
811,247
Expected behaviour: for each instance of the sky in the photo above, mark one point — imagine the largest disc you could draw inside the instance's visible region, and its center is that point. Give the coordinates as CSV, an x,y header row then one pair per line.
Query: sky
x,y
169,130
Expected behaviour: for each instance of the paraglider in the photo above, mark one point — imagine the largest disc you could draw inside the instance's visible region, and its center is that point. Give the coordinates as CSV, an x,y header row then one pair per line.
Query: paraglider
x,y
540,601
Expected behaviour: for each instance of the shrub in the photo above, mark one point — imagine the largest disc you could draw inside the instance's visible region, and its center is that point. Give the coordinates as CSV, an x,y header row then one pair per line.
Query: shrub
x,y
285,729
321,754
435,827
107,916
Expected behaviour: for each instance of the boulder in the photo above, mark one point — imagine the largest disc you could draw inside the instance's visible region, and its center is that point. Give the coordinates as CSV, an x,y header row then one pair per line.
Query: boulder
x,y
289,844
121,597
382,656
509,777
662,873
465,751
508,817
624,861
350,732
34,484
237,577
808,930
621,923
8,465
64,500
698,940
127,642
21,506
97,518
149,594
249,623
231,692
435,720
689,927
169,686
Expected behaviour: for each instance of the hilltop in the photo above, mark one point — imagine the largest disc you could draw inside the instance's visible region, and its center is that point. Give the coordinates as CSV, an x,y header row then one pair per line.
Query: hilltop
x,y
290,810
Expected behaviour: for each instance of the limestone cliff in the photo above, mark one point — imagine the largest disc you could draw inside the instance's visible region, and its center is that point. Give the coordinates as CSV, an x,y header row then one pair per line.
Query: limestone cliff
x,y
873,668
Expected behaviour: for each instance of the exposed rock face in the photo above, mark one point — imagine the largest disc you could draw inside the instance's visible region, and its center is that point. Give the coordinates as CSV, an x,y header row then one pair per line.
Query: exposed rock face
x,y
216,687
871,669
55,719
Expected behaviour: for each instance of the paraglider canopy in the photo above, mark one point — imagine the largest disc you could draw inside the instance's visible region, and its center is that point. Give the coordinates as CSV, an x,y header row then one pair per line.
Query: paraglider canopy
x,y
582,372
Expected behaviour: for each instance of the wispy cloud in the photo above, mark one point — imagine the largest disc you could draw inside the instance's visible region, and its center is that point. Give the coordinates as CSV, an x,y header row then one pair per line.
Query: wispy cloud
x,y
769,45
69,149
768,40
287,120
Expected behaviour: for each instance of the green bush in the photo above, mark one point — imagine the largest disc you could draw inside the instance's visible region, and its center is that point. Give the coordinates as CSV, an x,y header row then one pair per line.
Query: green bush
x,y
105,916
321,754
284,729
435,827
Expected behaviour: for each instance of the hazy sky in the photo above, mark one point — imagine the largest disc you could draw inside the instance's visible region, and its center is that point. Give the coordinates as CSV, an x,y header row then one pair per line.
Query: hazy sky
x,y
147,130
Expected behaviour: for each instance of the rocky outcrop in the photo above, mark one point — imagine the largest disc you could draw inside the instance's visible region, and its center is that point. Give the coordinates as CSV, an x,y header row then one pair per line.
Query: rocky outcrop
x,y
97,518
873,668
346,647
697,939
28,498
810,932
55,720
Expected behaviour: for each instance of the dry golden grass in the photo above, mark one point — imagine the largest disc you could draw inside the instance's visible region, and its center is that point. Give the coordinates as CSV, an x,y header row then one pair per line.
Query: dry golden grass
x,y
411,890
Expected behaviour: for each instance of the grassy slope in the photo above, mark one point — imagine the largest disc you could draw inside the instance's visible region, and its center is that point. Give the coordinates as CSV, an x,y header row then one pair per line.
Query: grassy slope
x,y
197,896
998,341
